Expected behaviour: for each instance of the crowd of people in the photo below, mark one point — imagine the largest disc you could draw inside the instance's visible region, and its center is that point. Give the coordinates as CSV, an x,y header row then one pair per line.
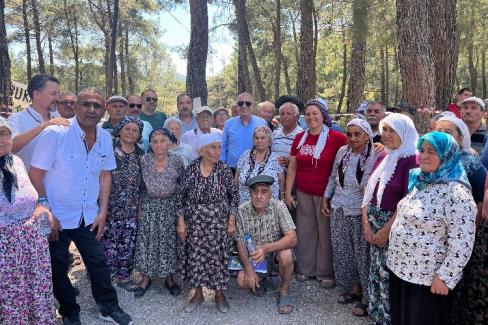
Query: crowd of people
x,y
396,220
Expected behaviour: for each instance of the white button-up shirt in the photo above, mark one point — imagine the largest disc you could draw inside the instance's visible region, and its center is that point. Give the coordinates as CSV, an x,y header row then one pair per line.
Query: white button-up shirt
x,y
190,138
24,121
72,181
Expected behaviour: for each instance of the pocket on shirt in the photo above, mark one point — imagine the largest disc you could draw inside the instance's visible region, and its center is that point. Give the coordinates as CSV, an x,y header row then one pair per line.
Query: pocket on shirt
x,y
96,162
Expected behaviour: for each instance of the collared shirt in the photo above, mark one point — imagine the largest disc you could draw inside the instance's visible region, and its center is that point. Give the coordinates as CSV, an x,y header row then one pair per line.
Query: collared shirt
x,y
190,138
72,180
282,142
478,138
185,127
237,138
156,120
107,126
266,228
146,131
24,121
433,234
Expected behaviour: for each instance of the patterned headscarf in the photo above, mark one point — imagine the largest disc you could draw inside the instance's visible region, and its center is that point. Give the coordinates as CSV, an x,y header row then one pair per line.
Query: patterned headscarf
x,y
322,105
9,179
126,120
163,131
450,168
367,152
404,127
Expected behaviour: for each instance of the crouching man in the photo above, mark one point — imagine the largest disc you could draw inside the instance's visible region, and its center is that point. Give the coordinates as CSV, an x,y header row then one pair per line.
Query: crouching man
x,y
272,231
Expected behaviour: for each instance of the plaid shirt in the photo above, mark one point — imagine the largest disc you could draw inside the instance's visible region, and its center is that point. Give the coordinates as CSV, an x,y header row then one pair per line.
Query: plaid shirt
x,y
266,228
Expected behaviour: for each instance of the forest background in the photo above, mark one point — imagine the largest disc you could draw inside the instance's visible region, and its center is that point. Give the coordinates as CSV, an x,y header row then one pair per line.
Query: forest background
x,y
421,51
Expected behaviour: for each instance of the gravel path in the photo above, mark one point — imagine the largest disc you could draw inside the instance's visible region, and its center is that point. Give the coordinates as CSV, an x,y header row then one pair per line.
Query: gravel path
x,y
313,305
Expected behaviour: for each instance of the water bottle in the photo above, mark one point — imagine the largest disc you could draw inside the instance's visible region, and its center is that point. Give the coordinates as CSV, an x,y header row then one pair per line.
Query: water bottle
x,y
249,243
44,224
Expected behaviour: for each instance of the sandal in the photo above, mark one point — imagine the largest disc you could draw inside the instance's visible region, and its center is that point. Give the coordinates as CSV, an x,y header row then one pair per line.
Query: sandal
x,y
140,291
285,304
347,298
360,310
127,285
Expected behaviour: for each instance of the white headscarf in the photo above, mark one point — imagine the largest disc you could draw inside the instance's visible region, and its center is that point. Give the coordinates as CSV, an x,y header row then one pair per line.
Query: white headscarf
x,y
404,127
466,144
208,138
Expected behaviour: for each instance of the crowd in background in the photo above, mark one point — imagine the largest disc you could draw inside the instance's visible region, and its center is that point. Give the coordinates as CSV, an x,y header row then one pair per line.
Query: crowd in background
x,y
395,218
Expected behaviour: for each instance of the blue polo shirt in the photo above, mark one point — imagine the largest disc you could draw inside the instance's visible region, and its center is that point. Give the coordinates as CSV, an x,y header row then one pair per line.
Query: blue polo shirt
x,y
237,138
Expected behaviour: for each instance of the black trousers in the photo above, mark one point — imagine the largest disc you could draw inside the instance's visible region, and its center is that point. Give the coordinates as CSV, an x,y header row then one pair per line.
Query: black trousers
x,y
94,258
413,304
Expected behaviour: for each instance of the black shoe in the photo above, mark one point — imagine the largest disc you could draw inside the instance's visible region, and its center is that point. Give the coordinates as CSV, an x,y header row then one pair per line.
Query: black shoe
x,y
71,320
116,316
140,291
175,289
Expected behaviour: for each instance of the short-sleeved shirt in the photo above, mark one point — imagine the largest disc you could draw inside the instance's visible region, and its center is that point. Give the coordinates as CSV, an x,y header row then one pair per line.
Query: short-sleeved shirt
x,y
190,138
72,180
24,121
281,144
313,174
185,127
266,228
156,120
478,138
454,108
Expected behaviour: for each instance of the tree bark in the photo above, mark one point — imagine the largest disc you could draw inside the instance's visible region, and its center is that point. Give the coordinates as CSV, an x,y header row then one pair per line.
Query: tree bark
x,y
5,82
287,75
51,52
387,77
415,53
71,16
483,71
130,79
196,85
277,49
28,49
397,79
382,75
306,77
123,78
445,49
243,79
344,71
37,33
112,88
358,56
254,63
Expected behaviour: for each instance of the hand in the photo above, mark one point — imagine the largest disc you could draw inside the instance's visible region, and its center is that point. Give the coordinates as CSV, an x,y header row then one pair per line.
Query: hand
x,y
378,147
368,234
290,201
231,226
283,161
258,255
57,121
99,224
251,279
324,207
439,287
55,225
275,122
181,230
381,237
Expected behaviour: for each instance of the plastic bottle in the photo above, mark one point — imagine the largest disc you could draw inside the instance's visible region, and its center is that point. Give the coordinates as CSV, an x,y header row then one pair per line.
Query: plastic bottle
x,y
44,223
249,243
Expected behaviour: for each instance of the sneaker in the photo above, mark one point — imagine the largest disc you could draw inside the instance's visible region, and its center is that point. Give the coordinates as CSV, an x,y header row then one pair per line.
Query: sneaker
x,y
71,320
116,316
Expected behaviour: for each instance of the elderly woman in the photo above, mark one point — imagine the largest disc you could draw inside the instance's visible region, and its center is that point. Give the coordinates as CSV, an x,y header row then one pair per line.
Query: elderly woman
x,y
207,221
182,149
432,236
119,240
387,185
260,160
25,266
352,167
220,116
156,249
311,159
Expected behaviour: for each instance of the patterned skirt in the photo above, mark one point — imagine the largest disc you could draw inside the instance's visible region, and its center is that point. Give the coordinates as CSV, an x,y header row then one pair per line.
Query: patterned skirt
x,y
25,275
156,243
205,250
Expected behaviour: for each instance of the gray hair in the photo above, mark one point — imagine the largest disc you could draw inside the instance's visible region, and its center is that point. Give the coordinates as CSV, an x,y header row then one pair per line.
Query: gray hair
x,y
377,102
295,107
173,119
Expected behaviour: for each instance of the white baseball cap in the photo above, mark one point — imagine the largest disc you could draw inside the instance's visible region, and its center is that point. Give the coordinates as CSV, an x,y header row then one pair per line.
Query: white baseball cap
x,y
474,99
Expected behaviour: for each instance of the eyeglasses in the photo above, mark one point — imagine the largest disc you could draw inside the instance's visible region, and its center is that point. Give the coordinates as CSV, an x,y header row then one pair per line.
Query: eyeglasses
x,y
66,103
248,104
96,106
136,105
152,99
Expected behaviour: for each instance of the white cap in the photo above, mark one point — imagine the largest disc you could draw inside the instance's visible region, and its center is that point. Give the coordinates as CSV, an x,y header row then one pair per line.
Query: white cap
x,y
474,99
201,109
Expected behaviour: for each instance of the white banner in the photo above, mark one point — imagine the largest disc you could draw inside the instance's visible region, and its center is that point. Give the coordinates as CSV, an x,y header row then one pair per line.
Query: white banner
x,y
20,96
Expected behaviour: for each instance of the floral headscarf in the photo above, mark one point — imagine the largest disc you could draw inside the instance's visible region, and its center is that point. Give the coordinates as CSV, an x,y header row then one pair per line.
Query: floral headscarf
x,y
126,120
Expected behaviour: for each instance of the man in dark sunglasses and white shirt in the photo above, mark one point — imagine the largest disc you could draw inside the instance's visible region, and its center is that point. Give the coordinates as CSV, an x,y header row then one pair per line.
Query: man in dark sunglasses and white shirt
x,y
149,113
135,109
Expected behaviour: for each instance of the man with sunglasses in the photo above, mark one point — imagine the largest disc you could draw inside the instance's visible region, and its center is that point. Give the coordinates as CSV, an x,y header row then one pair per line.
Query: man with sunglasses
x,y
78,160
149,113
238,131
66,106
135,108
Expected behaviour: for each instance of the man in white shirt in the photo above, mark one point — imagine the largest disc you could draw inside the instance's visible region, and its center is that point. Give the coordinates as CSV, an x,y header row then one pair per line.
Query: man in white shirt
x,y
204,122
26,125
283,136
71,169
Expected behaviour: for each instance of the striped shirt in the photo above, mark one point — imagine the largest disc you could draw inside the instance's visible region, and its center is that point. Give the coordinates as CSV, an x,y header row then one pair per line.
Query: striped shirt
x,y
281,144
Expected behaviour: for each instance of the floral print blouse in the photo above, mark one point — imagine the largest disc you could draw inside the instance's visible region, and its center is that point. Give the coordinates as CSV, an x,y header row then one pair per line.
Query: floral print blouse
x,y
433,234
162,184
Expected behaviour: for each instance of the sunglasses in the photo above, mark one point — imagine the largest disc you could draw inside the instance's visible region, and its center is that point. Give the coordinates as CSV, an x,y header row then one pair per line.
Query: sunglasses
x,y
91,104
248,104
152,99
136,105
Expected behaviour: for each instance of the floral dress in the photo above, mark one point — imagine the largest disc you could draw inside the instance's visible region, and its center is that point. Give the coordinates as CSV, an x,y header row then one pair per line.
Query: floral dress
x,y
25,265
206,203
119,241
156,248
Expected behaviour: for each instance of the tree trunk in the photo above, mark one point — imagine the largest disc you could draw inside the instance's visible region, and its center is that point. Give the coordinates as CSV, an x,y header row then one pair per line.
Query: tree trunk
x,y
414,52
196,85
287,75
28,50
306,82
132,86
5,82
387,77
123,79
257,75
37,32
382,75
471,66
112,88
277,49
71,16
483,71
397,79
243,80
51,52
445,49
295,39
344,71
358,56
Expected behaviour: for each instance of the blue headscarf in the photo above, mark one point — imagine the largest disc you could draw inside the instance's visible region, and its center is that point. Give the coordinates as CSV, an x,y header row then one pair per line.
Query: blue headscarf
x,y
450,168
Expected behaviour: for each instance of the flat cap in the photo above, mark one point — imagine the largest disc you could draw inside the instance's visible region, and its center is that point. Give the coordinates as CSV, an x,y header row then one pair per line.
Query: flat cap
x,y
259,179
117,99
289,98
